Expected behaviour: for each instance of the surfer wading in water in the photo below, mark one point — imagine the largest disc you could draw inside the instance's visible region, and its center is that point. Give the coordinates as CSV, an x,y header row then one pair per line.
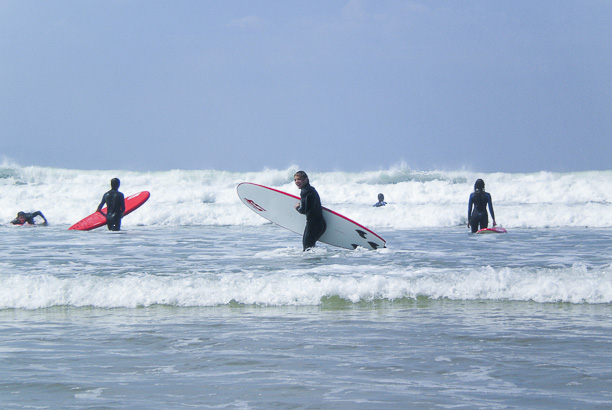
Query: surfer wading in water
x,y
479,199
381,201
115,206
309,205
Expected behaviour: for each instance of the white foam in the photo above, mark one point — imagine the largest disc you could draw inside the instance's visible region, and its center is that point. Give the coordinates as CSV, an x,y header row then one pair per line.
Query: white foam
x,y
415,199
575,284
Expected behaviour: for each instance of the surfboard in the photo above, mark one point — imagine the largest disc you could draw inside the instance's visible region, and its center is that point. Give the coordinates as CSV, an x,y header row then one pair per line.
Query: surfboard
x,y
495,229
97,220
278,207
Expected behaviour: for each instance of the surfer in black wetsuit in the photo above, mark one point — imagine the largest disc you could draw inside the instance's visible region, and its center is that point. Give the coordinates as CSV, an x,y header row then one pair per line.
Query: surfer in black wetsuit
x,y
115,206
381,201
479,199
28,218
309,205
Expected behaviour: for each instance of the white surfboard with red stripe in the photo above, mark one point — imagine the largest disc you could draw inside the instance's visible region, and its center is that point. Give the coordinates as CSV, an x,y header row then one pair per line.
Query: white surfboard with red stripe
x,y
279,207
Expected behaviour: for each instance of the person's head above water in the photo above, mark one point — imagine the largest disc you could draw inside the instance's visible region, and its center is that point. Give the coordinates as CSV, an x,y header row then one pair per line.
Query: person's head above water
x,y
115,183
381,197
301,179
479,185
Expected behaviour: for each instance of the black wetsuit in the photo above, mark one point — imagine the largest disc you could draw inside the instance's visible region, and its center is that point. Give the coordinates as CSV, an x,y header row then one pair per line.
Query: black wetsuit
x,y
115,207
29,218
310,205
479,219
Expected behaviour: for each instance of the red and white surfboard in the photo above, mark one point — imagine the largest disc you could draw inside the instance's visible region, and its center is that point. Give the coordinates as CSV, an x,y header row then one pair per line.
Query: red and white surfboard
x,y
279,207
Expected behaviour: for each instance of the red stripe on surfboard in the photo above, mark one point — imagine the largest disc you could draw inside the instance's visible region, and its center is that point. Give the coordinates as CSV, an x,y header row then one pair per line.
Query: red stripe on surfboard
x,y
327,209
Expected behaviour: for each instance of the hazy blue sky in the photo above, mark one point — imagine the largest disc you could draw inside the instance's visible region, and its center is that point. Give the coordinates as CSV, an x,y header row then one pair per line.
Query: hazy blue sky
x,y
510,86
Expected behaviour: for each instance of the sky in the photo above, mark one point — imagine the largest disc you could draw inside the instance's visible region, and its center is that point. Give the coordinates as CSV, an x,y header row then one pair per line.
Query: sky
x,y
326,85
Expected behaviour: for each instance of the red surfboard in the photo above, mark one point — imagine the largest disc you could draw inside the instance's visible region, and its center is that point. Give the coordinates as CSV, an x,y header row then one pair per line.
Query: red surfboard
x,y
98,219
495,229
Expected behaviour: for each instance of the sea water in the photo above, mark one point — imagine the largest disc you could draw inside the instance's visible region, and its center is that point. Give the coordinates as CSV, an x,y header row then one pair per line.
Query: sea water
x,y
199,302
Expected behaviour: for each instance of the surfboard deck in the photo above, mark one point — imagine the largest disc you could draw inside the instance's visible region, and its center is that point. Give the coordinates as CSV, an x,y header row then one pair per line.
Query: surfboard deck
x,y
97,220
278,207
495,229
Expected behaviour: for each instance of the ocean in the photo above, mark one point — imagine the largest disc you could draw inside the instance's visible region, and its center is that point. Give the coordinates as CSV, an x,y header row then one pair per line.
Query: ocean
x,y
200,303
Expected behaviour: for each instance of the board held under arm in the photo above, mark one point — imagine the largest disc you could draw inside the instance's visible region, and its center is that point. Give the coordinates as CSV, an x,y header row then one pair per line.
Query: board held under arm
x,y
98,219
279,207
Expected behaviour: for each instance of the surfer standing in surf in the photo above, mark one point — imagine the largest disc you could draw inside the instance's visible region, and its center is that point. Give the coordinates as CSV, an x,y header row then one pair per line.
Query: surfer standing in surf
x,y
309,205
381,201
479,199
115,206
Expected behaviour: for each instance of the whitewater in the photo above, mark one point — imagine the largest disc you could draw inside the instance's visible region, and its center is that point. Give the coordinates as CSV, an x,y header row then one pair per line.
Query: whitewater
x,y
199,302
416,199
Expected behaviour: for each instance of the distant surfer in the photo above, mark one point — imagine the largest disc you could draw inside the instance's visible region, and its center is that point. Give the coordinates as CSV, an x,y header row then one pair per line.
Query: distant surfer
x,y
28,218
381,201
479,199
309,205
115,206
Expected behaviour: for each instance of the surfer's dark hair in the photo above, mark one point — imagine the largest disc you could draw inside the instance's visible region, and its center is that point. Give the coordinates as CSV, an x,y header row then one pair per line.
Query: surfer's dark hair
x,y
301,174
479,185
115,183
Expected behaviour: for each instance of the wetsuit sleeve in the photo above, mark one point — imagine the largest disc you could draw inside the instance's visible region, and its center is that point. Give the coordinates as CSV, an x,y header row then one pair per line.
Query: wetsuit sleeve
x,y
470,204
122,209
38,213
102,203
307,203
491,206
303,204
16,221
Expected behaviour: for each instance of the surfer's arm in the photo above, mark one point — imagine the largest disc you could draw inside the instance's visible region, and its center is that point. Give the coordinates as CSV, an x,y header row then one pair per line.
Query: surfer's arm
x,y
101,203
491,210
38,213
122,208
300,208
304,206
470,203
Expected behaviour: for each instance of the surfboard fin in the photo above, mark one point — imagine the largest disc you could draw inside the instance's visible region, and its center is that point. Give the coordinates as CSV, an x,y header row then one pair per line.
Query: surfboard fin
x,y
373,245
361,233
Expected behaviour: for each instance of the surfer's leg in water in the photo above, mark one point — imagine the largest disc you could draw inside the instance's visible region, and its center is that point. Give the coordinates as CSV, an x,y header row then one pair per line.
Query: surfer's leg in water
x,y
474,221
312,233
113,222
484,221
479,220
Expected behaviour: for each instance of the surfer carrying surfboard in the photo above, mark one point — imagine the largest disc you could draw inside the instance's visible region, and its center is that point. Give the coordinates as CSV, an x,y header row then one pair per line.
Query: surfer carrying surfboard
x,y
115,204
309,205
479,199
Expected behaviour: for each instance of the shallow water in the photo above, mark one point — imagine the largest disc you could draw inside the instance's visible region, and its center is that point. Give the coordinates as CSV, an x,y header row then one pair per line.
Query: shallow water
x,y
239,317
